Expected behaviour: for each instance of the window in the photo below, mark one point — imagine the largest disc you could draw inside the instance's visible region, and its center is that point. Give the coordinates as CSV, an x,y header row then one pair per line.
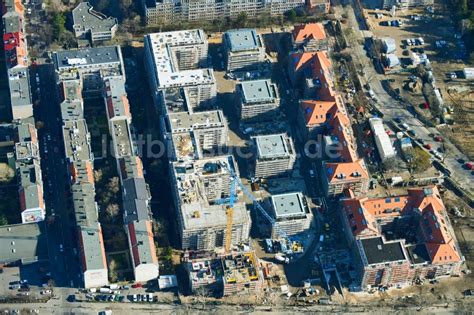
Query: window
x,y
351,215
397,199
360,210
354,228
388,200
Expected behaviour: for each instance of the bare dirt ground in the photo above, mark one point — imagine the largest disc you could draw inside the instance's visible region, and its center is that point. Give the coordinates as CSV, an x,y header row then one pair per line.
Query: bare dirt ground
x,y
463,130
442,61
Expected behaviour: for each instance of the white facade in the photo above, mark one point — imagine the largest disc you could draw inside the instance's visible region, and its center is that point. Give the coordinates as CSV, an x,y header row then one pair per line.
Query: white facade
x,y
174,60
382,140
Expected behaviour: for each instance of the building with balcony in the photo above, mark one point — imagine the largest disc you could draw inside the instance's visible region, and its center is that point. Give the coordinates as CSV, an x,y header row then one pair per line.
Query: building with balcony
x,y
243,49
257,100
274,155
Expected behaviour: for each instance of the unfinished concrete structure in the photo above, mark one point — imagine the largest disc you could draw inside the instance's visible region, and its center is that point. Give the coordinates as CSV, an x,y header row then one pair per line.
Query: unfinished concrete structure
x,y
198,185
398,240
243,49
236,273
257,100
274,155
173,60
194,135
290,212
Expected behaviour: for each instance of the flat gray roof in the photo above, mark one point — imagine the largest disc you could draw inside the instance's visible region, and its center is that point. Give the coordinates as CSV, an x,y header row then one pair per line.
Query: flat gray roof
x,y
86,18
25,242
85,207
286,205
200,215
19,85
135,199
76,140
93,248
116,97
65,59
258,91
272,146
29,180
184,121
11,22
71,110
378,252
142,236
122,138
242,39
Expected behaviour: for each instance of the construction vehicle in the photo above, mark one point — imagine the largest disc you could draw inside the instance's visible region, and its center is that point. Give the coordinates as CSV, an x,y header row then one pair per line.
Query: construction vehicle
x,y
230,214
292,247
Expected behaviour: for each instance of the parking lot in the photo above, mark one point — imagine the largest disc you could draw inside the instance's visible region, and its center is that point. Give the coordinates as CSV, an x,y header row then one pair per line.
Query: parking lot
x,y
441,44
23,284
124,294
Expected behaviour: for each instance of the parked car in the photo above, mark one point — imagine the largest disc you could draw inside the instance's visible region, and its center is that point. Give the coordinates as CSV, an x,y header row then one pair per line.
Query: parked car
x,y
468,293
137,285
438,138
427,146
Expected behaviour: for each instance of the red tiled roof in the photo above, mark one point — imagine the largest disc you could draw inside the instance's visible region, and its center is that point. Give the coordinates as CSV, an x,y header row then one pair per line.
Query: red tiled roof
x,y
436,233
309,31
350,170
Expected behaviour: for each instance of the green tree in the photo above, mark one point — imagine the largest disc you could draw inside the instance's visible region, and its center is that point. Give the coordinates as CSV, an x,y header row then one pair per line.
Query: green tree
x,y
291,16
241,20
462,7
58,21
3,220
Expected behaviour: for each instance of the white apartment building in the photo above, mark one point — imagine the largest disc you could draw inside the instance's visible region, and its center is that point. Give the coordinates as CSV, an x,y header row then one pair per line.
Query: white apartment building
x,y
244,49
171,11
275,155
290,212
173,60
257,100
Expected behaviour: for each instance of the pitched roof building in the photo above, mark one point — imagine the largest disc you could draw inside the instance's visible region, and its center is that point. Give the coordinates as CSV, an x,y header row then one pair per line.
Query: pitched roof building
x,y
309,37
410,233
324,114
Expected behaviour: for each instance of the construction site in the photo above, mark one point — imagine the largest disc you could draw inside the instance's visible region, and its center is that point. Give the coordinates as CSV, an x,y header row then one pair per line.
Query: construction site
x,y
217,206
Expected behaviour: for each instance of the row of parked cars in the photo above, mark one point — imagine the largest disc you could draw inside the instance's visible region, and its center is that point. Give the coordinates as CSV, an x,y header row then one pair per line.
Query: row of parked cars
x,y
117,297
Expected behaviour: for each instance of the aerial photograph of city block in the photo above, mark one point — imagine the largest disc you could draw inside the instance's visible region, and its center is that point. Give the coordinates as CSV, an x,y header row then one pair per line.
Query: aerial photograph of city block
x,y
236,156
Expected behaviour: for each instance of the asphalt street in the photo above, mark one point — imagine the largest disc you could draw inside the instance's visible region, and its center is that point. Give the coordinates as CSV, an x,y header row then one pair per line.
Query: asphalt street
x,y
61,225
393,109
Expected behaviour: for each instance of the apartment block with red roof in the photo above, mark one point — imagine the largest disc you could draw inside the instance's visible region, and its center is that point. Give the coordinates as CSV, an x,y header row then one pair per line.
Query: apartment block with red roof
x,y
397,240
340,176
309,37
325,114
